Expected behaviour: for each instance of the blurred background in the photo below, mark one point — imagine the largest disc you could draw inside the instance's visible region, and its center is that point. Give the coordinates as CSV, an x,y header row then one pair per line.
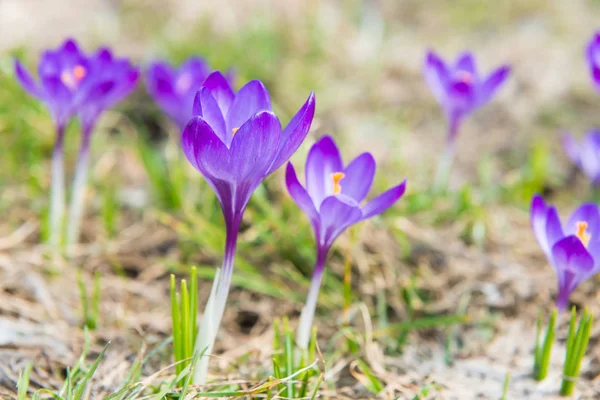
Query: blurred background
x,y
362,58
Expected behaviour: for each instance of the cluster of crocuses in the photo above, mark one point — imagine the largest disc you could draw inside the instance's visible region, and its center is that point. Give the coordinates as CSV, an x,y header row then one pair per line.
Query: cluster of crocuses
x,y
574,249
73,83
460,90
233,138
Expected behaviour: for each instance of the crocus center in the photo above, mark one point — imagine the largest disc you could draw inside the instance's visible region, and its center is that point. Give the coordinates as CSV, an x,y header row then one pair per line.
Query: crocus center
x,y
234,131
183,83
336,177
465,77
582,232
72,78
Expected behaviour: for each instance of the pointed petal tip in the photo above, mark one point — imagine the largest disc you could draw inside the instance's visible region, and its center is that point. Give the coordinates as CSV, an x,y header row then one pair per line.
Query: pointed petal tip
x,y
25,79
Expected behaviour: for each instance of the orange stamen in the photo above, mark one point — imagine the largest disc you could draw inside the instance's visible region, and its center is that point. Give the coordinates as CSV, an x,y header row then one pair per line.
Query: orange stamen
x,y
79,72
466,77
336,177
234,131
582,232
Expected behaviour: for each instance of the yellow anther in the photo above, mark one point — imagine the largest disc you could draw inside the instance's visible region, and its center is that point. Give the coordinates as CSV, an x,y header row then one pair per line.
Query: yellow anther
x,y
72,78
582,232
79,72
466,77
336,177
234,131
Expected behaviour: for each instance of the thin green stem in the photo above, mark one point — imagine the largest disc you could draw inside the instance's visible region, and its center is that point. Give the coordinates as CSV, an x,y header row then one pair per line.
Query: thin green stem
x,y
175,326
577,344
543,350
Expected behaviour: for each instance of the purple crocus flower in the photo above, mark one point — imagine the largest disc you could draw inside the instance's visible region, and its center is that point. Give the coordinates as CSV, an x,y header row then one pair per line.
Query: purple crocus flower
x,y
460,90
593,58
586,155
174,89
72,82
235,140
332,201
573,249
60,73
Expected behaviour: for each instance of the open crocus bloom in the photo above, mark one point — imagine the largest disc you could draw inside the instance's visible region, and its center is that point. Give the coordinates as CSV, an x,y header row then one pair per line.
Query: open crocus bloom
x,y
72,82
332,200
61,73
334,193
593,58
458,87
174,89
235,140
586,155
573,249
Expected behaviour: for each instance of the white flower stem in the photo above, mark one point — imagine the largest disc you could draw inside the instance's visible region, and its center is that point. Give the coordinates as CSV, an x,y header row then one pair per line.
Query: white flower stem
x,y
307,315
57,191
442,174
444,166
215,307
78,190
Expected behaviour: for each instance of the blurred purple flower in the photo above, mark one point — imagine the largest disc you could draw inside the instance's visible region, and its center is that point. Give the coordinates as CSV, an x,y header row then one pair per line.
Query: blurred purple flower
x,y
174,89
72,82
593,58
235,141
60,73
572,249
586,155
460,90
332,201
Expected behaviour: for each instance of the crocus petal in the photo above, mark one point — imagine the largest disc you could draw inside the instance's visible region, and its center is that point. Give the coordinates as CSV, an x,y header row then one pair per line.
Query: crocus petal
x,y
571,148
206,106
204,149
573,264
295,132
384,201
436,76
196,67
26,80
594,250
554,230
323,160
466,62
160,78
58,98
492,84
587,213
221,91
70,47
300,195
358,177
539,212
252,98
254,148
589,155
159,81
593,58
336,216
